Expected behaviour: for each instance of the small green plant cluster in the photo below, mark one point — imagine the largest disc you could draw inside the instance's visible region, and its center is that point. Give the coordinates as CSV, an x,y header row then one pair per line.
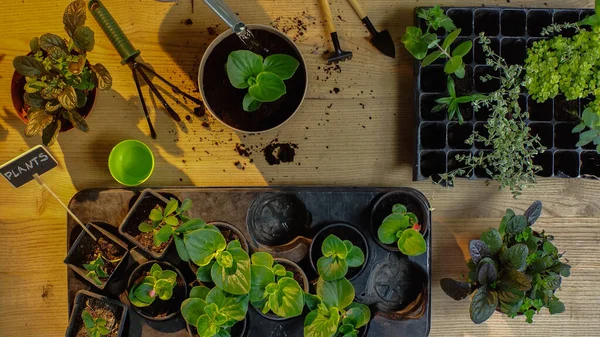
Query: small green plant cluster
x,y
165,224
263,78
338,256
158,283
59,78
95,327
513,269
591,120
273,288
402,227
451,103
95,270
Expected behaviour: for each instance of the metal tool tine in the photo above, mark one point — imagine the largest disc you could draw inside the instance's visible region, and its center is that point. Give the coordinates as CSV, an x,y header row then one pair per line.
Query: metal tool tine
x,y
171,85
139,89
160,97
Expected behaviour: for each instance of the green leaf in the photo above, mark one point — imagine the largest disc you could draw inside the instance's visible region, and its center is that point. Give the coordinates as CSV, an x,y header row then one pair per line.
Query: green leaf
x,y
399,208
432,57
206,327
288,299
478,250
28,66
483,305
262,259
249,104
514,279
555,306
51,132
455,289
412,243
102,75
192,308
338,293
156,214
516,224
238,282
493,240
281,65
48,40
56,53
186,205
145,227
241,66
171,221
68,98
318,325
358,315
181,250
331,268
203,244
453,64
261,277
516,256
164,289
487,274
392,224
34,100
312,301
590,118
268,87
549,248
355,257
578,128
450,38
84,38
191,225
462,49
509,215
74,16
334,246
38,121
142,293
203,273
163,235
533,213
171,207
414,42
460,72
34,45
199,292
232,306
450,86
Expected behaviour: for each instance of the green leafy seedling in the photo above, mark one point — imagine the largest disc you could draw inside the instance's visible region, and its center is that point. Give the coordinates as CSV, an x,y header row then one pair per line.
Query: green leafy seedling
x,y
95,270
591,120
213,311
402,227
263,78
273,288
157,283
451,103
338,256
95,327
59,78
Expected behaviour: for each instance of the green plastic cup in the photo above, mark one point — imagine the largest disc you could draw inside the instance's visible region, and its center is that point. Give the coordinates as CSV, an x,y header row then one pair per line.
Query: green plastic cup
x,y
131,162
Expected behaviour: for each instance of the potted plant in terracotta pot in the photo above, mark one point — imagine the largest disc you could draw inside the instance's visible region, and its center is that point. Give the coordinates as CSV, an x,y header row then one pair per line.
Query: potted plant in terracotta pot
x,y
54,86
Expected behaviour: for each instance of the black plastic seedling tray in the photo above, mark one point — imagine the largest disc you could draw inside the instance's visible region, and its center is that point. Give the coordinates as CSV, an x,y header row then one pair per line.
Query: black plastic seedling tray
x,y
512,30
388,278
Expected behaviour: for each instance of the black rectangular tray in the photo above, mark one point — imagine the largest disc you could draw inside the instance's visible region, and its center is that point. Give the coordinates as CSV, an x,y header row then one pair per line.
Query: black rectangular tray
x,y
325,204
512,30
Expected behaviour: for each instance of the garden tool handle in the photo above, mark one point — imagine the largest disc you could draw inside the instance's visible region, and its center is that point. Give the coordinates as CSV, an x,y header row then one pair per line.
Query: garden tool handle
x,y
327,14
226,14
358,9
115,34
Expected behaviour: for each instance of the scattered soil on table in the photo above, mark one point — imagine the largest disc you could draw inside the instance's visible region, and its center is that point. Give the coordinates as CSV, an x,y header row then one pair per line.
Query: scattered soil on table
x,y
99,309
296,27
199,111
47,291
188,22
277,153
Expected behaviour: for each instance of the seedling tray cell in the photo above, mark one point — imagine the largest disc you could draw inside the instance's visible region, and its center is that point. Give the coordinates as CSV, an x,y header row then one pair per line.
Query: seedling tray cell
x,y
511,31
397,288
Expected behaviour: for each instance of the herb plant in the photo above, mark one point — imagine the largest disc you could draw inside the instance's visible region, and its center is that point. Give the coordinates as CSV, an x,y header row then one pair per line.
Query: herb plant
x,y
333,312
225,265
59,78
158,283
591,120
402,227
273,288
212,311
95,327
263,78
164,223
513,269
96,270
451,103
337,257
418,43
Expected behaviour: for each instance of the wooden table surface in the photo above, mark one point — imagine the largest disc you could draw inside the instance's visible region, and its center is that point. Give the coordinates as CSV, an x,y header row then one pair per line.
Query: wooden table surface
x,y
361,136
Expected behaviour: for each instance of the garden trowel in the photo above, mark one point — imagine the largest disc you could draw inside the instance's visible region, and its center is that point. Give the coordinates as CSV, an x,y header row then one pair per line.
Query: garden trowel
x,y
381,40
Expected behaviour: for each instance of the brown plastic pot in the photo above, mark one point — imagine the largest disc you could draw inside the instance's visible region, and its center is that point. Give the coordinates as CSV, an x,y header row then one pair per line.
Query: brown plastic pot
x,y
211,48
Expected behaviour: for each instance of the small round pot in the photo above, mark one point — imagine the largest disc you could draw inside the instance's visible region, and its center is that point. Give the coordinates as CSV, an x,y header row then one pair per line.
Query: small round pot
x,y
173,305
290,266
237,330
214,84
224,226
344,232
414,201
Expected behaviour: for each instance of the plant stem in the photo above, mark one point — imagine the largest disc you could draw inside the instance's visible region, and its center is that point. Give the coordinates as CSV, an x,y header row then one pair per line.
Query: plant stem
x,y
443,51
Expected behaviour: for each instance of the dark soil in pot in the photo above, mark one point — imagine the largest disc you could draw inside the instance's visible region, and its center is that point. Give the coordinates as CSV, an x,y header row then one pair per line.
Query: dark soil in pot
x,y
159,310
230,233
383,207
344,232
237,330
99,307
226,101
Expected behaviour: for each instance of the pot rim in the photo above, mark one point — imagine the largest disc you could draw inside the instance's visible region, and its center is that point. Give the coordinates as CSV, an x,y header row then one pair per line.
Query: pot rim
x,y
218,40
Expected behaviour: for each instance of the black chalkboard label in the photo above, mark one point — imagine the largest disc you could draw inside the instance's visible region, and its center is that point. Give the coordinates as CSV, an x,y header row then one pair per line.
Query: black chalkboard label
x,y
21,169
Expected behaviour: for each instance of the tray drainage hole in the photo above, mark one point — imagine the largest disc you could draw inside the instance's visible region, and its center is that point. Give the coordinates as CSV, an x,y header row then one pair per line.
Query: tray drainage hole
x,y
433,79
478,50
540,111
433,136
545,161
514,50
590,163
482,130
566,110
454,164
564,17
488,21
458,134
513,22
538,20
544,131
433,163
427,103
480,172
489,85
463,19
566,163
563,137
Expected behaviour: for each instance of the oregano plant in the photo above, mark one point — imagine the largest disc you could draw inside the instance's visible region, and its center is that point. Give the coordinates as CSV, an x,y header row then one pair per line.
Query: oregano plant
x,y
264,78
338,256
403,228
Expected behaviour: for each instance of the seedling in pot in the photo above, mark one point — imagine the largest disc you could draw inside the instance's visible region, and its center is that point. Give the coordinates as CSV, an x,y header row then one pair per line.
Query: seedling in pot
x,y
59,78
273,288
419,43
338,255
157,283
333,312
95,327
512,269
402,227
96,269
451,103
213,311
94,315
263,78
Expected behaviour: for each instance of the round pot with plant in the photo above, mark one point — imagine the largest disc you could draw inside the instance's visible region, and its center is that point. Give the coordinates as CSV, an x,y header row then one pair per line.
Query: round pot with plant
x,y
54,86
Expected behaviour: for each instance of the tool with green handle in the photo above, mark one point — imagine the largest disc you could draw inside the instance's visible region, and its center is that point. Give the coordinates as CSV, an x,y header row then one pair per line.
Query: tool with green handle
x,y
129,55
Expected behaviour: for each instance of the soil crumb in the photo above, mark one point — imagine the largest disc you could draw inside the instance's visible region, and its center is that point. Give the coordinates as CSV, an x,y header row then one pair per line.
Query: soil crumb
x,y
242,150
277,153
211,31
199,110
47,291
188,22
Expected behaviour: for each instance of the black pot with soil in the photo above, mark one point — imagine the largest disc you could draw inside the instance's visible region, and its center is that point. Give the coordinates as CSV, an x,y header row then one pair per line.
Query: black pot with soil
x,y
344,232
159,310
109,251
139,213
97,306
214,83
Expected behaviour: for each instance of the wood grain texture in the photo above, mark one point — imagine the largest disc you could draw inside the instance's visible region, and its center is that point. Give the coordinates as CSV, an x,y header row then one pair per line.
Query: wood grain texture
x,y
362,135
